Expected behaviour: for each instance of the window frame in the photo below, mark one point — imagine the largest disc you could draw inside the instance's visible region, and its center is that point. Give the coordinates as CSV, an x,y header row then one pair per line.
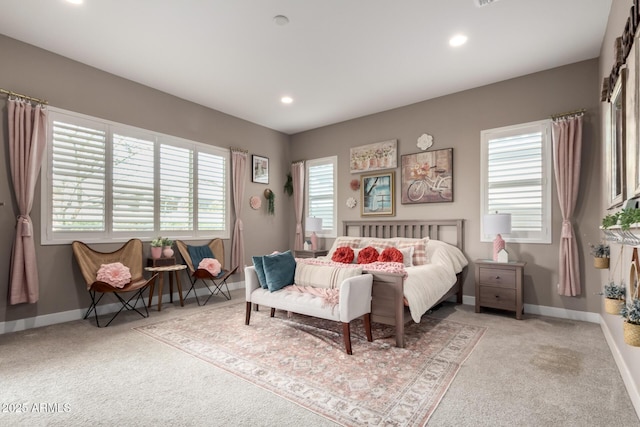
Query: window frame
x,y
544,236
329,232
49,237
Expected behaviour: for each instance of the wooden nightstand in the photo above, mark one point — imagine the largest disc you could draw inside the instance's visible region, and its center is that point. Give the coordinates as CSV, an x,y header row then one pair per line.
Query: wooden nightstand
x,y
310,253
499,285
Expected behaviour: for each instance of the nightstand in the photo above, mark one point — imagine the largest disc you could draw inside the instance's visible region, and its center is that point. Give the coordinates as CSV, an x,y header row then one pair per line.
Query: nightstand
x,y
499,285
310,253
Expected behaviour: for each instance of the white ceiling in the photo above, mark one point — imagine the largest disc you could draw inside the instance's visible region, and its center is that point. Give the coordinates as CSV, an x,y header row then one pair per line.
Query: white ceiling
x,y
338,59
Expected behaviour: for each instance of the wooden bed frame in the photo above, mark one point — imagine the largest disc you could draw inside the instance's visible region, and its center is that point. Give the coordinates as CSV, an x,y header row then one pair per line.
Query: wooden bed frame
x,y
387,306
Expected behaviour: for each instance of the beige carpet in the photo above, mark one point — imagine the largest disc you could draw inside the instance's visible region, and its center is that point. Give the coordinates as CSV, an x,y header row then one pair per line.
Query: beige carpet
x,y
302,359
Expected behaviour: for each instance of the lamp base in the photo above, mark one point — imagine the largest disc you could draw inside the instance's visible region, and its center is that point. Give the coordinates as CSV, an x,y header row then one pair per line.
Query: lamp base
x,y
498,245
314,241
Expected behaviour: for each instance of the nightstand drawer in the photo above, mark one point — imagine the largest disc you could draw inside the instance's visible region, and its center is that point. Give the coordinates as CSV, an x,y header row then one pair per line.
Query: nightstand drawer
x,y
500,277
494,297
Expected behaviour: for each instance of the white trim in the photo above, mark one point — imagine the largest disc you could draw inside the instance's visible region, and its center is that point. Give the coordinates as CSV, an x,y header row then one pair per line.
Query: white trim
x,y
78,314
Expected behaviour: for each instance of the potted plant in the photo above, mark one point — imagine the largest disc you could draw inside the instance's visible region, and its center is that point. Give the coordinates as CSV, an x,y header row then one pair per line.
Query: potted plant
x,y
166,244
156,247
600,253
613,297
631,326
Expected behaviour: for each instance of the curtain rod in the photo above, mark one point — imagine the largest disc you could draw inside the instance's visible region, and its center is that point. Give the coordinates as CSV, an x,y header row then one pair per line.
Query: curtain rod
x,y
240,150
29,98
568,113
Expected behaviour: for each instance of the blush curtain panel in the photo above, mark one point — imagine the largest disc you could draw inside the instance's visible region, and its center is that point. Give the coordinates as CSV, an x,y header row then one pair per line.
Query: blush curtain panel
x,y
239,168
567,149
297,175
27,143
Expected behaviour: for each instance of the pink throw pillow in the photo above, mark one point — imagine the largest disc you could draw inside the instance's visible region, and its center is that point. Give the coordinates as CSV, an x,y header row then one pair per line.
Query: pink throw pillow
x,y
391,255
343,254
212,265
367,255
115,274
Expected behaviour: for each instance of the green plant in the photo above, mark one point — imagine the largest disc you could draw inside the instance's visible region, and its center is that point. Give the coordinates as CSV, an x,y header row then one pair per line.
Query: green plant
x,y
631,312
628,216
167,242
271,197
288,186
610,220
601,250
157,242
613,291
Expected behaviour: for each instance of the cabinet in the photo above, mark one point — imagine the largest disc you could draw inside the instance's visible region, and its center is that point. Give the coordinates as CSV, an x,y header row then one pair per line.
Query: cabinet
x,y
499,285
310,253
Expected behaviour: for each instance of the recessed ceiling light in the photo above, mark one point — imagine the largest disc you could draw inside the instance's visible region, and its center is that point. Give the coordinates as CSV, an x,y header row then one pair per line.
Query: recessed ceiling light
x,y
280,20
75,1
286,100
458,40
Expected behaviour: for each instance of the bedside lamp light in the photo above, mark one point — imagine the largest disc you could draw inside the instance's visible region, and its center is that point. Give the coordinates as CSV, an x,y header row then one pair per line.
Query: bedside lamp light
x,y
313,224
497,224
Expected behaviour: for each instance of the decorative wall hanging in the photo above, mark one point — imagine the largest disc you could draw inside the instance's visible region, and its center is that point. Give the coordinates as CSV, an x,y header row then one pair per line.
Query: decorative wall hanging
x,y
355,184
271,199
377,197
376,156
427,177
351,202
425,141
255,202
260,169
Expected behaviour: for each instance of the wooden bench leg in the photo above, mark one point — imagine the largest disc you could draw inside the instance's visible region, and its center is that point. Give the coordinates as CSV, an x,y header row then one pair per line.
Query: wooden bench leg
x,y
346,333
248,313
367,326
273,312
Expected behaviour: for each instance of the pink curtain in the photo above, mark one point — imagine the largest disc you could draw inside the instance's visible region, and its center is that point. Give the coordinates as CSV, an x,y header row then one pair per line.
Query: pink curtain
x,y
27,143
239,169
297,175
567,148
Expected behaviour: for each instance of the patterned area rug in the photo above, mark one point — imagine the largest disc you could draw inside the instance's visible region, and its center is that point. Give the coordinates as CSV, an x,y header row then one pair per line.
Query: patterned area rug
x,y
302,359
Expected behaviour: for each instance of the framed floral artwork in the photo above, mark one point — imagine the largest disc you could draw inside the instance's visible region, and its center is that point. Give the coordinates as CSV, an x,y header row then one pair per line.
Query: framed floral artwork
x,y
427,177
376,194
376,156
260,168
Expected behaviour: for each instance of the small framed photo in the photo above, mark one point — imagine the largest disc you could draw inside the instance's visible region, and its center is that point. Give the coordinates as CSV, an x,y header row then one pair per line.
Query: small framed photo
x,y
260,169
376,193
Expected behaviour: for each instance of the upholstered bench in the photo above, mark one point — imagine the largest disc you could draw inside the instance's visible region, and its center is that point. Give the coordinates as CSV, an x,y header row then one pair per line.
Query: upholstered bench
x,y
352,287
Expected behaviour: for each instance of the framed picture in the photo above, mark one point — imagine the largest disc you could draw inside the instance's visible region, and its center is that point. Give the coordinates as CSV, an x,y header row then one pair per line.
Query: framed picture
x,y
260,168
376,156
376,194
616,164
427,177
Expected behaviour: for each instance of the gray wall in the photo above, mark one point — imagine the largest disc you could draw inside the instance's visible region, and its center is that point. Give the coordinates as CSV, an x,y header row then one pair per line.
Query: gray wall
x,y
456,121
73,86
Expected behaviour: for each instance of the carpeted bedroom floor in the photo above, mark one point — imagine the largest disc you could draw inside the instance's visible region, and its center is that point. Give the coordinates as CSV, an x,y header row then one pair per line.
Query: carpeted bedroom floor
x,y
540,371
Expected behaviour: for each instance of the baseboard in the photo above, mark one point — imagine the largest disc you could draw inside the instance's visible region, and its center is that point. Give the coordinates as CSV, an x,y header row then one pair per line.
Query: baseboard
x,y
543,310
630,385
77,314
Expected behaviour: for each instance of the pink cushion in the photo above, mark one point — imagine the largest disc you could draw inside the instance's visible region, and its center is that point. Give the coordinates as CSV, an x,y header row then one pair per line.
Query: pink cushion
x,y
115,274
212,265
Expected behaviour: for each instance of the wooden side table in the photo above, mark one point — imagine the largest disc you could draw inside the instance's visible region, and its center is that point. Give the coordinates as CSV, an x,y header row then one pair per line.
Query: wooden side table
x,y
175,269
299,253
499,285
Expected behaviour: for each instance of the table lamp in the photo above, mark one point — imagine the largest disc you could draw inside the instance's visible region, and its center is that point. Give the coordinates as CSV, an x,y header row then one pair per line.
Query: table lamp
x,y
314,224
497,224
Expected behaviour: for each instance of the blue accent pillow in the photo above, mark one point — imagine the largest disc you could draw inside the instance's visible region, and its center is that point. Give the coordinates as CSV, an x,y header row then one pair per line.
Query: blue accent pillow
x,y
198,253
279,270
257,263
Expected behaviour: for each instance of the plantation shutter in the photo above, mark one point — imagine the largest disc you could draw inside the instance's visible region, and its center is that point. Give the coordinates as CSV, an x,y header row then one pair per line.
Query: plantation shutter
x,y
133,190
321,192
176,189
78,177
211,192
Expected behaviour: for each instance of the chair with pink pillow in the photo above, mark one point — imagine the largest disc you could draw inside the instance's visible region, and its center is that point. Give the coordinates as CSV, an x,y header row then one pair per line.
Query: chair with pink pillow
x,y
206,265
119,273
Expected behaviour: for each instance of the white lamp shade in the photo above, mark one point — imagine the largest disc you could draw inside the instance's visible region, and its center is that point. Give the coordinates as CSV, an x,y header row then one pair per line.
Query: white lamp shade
x,y
313,224
496,223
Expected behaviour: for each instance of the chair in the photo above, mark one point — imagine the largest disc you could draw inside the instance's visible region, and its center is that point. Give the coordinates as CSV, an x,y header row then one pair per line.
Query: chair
x,y
129,255
196,274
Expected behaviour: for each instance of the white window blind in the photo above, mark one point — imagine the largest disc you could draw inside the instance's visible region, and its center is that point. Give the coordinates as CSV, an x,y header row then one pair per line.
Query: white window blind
x,y
103,181
78,181
516,179
321,193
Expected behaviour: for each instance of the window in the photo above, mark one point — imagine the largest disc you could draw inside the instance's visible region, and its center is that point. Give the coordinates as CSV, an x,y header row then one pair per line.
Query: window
x,y
103,181
321,193
516,179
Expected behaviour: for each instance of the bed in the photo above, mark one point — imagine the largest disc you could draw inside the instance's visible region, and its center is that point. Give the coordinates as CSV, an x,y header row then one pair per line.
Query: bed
x,y
392,290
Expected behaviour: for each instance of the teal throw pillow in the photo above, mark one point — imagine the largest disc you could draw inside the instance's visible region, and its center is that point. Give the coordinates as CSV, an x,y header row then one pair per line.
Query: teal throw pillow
x,y
257,263
279,270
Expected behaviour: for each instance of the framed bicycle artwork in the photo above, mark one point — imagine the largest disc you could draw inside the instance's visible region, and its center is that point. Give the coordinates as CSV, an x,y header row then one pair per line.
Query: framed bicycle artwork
x,y
376,192
427,177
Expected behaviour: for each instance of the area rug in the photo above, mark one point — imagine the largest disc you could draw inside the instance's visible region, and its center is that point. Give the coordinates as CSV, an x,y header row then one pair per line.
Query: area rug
x,y
302,359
